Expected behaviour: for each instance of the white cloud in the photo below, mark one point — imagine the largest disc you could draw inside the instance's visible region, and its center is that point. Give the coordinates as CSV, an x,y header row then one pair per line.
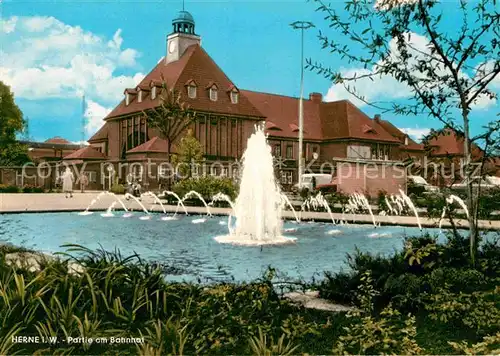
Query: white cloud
x,y
384,5
38,23
483,102
8,26
416,133
84,143
383,88
94,114
43,57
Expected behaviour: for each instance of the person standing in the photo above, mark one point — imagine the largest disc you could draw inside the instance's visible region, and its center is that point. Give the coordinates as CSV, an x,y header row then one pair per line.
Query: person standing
x,y
68,178
84,181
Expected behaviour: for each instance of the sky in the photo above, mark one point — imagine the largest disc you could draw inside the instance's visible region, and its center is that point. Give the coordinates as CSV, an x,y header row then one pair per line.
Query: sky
x,y
53,52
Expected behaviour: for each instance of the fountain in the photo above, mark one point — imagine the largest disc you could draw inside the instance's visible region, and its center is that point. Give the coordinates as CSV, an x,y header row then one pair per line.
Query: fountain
x,y
258,206
97,198
316,202
179,201
198,195
147,216
157,199
287,201
408,202
357,201
450,200
226,198
109,212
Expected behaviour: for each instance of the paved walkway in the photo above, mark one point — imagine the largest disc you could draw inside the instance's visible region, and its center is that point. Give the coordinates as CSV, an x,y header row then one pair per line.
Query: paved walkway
x,y
53,202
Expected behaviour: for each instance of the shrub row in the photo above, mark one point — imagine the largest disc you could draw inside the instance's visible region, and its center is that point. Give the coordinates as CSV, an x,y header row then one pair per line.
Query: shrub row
x,y
26,189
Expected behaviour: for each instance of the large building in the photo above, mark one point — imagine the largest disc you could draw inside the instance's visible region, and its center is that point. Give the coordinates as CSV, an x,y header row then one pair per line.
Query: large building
x,y
226,115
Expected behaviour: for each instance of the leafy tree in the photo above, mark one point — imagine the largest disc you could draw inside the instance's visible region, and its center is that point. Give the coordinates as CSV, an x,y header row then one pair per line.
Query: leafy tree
x,y
12,153
447,72
172,117
189,154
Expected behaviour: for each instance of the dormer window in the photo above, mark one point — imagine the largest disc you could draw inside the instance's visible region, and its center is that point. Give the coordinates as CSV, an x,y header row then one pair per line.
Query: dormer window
x,y
127,99
191,91
139,96
233,94
191,88
234,97
213,93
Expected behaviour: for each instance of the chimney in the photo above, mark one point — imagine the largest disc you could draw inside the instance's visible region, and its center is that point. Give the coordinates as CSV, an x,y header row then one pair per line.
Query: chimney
x,y
316,97
377,118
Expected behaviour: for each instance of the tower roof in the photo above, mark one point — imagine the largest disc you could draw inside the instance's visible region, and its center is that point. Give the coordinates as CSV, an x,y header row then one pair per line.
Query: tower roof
x,y
183,16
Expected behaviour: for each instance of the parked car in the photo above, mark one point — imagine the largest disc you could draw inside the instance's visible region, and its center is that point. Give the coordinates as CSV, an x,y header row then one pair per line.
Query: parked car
x,y
421,183
486,183
307,181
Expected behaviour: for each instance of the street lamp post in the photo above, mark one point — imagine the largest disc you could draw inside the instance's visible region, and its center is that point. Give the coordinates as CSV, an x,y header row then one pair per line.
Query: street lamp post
x,y
301,25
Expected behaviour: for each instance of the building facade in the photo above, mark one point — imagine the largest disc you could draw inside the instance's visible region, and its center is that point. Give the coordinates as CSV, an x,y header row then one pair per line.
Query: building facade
x,y
225,118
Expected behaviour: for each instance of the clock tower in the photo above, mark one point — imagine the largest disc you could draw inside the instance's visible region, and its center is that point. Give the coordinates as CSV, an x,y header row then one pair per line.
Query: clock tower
x,y
182,37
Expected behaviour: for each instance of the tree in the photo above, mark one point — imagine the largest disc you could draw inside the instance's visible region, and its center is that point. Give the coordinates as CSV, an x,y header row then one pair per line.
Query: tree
x,y
12,153
171,117
189,154
446,72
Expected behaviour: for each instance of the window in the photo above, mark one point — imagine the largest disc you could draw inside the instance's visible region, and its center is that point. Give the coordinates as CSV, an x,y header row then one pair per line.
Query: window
x,y
234,97
191,91
92,177
358,152
225,172
153,93
289,152
213,93
213,171
277,150
162,171
286,177
380,151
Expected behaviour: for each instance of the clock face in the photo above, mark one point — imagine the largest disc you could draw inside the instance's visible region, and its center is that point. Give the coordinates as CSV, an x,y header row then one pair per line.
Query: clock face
x,y
171,47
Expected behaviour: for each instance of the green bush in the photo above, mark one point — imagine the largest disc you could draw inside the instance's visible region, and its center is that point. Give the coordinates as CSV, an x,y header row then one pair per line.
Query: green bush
x,y
408,278
117,189
118,296
337,198
38,190
488,202
478,311
9,189
28,189
369,334
415,190
207,187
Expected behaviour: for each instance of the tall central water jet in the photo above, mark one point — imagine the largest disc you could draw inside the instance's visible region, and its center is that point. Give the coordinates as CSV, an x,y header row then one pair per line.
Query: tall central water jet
x,y
258,206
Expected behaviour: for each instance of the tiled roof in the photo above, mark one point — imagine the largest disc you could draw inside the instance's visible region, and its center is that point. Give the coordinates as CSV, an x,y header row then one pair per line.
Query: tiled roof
x,y
86,153
395,132
101,134
282,113
341,119
156,144
58,140
195,64
450,143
